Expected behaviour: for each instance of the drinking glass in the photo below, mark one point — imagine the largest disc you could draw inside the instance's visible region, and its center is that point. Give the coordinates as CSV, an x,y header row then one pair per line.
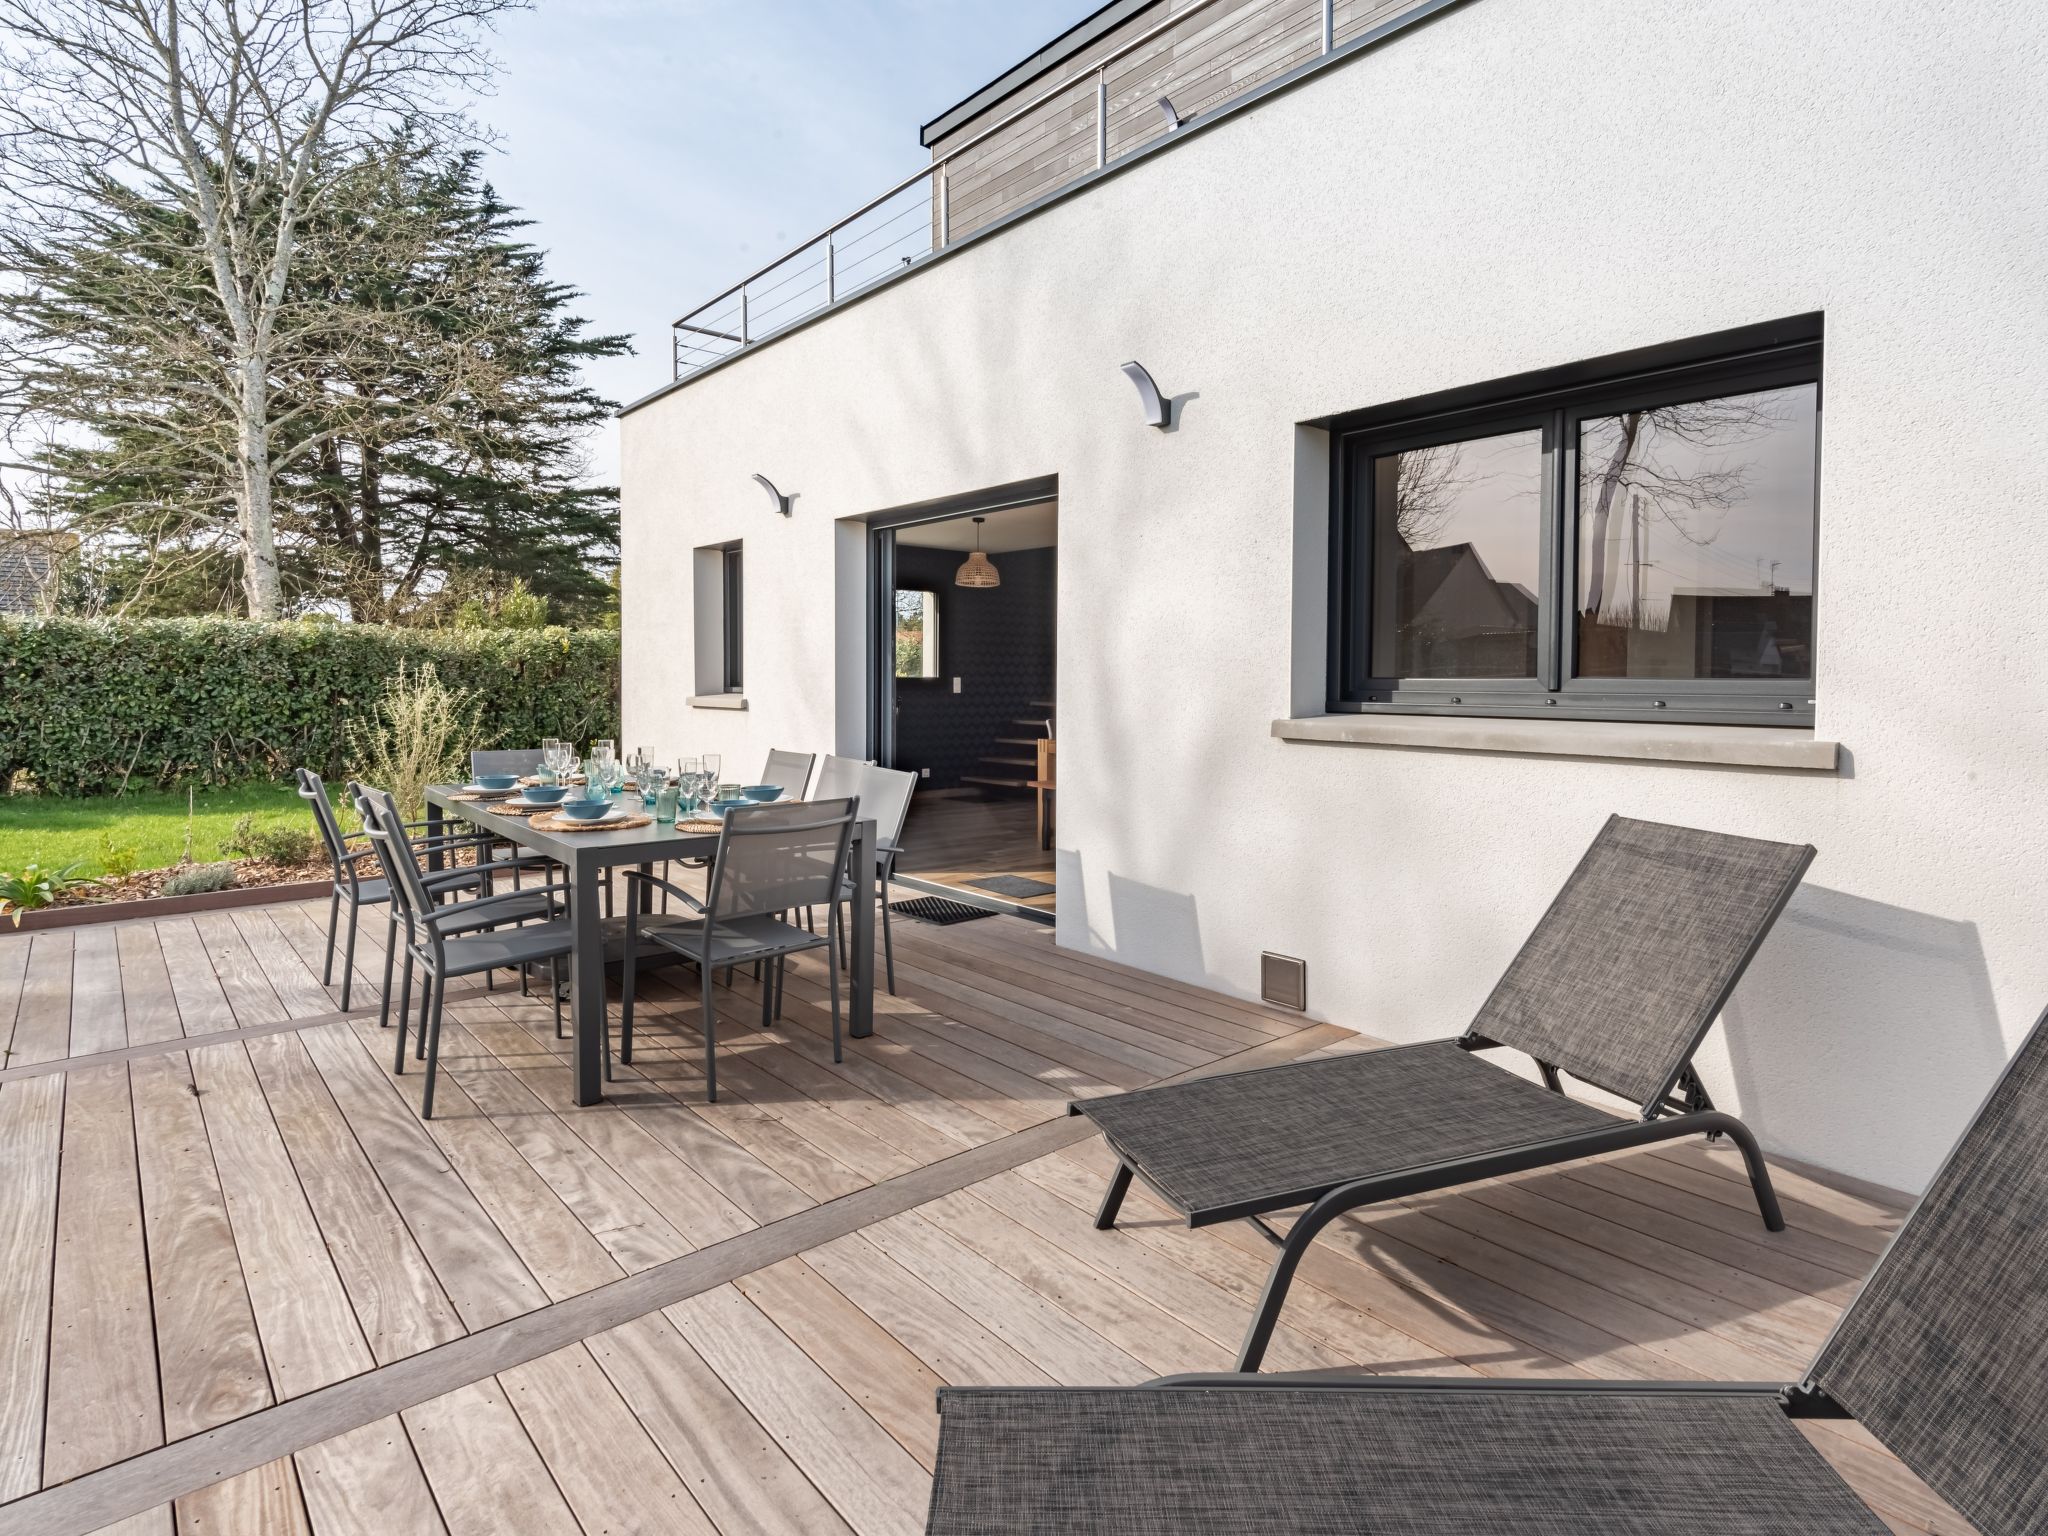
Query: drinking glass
x,y
712,763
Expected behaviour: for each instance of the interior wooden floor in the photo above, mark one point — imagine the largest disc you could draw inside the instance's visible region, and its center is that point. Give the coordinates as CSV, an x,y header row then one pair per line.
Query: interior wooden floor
x,y
243,1288
956,837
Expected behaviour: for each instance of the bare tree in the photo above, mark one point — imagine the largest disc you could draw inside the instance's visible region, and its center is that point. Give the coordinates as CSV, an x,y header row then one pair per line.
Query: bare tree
x,y
221,113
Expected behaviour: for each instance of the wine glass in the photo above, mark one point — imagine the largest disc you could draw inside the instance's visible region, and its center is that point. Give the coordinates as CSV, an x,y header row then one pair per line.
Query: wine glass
x,y
712,763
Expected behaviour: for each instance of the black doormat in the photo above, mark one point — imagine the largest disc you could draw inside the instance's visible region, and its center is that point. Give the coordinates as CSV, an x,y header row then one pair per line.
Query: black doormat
x,y
1016,887
936,909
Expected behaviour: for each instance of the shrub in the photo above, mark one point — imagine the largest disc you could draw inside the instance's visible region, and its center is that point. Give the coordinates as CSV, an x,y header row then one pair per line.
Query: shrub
x,y
90,705
32,886
118,862
199,880
275,842
417,736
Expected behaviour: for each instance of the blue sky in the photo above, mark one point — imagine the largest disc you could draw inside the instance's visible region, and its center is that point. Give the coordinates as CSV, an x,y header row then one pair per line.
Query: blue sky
x,y
667,149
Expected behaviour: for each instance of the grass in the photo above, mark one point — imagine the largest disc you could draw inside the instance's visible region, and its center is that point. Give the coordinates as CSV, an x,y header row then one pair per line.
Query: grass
x,y
54,831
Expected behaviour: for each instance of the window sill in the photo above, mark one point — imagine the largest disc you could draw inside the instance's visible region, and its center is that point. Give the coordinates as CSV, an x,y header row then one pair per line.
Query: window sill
x,y
718,701
1748,746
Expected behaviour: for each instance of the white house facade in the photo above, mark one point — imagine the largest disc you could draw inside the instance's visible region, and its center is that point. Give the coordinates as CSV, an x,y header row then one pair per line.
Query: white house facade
x,y
1438,264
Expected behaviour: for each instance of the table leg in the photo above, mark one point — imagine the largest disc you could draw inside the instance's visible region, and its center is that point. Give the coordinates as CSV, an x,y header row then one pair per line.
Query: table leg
x,y
586,979
862,938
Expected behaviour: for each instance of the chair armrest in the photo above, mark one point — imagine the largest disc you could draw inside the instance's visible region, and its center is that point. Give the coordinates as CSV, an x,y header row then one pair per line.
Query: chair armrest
x,y
667,885
468,910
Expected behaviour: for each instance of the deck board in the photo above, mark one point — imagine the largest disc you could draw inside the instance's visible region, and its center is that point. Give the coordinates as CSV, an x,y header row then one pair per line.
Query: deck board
x,y
217,1228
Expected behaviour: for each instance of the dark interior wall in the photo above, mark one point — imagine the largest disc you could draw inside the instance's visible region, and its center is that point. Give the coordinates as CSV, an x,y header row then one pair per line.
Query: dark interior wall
x,y
998,642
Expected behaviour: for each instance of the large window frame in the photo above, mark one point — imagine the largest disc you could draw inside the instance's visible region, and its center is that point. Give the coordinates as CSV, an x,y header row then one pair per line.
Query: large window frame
x,y
1556,405
732,575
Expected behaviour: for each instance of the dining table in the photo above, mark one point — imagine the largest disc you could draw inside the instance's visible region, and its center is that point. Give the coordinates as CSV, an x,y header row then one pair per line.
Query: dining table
x,y
589,855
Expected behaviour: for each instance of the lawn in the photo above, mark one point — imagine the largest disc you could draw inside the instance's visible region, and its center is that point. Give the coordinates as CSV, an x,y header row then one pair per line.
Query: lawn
x,y
54,831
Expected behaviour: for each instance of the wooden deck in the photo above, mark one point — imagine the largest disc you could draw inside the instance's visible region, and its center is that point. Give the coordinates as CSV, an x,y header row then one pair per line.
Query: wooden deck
x,y
243,1288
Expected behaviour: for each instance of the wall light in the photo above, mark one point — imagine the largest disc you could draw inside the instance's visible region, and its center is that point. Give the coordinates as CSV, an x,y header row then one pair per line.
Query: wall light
x,y
1158,407
1171,113
781,501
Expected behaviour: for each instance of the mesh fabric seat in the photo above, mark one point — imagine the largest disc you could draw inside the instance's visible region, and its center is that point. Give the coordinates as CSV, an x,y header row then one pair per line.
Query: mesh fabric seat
x,y
1305,1461
1942,1357
1297,1130
1617,985
791,771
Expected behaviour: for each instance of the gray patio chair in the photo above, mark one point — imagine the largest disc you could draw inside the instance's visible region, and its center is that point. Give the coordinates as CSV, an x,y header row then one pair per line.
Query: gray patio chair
x,y
791,770
771,860
885,800
1617,986
1943,1358
474,880
838,777
520,760
352,889
450,942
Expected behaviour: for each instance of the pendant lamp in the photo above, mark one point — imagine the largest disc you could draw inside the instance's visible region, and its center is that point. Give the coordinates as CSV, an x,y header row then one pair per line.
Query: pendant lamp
x,y
977,571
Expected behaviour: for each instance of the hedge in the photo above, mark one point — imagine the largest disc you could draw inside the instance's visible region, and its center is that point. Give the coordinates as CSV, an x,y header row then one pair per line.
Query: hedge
x,y
88,705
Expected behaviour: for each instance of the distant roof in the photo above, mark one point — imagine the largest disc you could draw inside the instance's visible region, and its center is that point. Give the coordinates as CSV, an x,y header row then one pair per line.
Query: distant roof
x,y
1014,79
27,562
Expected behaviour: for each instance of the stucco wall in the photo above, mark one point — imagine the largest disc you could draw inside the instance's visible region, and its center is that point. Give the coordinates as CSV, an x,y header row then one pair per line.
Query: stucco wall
x,y
1521,183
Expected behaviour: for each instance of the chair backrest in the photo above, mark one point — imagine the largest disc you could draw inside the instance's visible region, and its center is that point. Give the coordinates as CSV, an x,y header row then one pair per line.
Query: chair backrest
x,y
777,857
313,791
1632,963
505,760
838,777
1944,1355
385,824
885,800
792,770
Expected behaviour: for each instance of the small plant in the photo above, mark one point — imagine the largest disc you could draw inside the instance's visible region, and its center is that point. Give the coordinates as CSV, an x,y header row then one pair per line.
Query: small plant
x,y
118,863
33,886
274,842
417,735
185,858
199,879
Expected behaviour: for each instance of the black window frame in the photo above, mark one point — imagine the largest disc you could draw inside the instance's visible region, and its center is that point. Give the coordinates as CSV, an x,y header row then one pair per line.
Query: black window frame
x,y
1557,402
732,576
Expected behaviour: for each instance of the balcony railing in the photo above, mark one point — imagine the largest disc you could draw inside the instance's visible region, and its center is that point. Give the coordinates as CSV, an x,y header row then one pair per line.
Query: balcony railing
x,y
1201,55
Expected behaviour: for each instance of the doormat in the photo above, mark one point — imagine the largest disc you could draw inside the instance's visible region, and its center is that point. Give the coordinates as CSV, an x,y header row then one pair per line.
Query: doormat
x,y
1013,886
936,909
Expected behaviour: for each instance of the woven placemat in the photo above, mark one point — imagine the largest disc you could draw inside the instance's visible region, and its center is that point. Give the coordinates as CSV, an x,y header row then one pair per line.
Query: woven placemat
x,y
700,824
468,796
547,821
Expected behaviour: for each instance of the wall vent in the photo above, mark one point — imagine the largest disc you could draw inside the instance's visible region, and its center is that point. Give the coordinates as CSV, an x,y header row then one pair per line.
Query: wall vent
x,y
1283,981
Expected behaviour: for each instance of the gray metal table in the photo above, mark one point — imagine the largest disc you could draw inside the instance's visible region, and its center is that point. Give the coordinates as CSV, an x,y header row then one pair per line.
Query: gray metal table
x,y
588,856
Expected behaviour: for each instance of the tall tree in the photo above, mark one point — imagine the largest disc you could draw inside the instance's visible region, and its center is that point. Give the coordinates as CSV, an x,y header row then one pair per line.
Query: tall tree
x,y
219,113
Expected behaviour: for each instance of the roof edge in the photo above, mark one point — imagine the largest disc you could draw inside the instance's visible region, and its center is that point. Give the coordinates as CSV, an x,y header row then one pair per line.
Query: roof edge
x,y
1012,80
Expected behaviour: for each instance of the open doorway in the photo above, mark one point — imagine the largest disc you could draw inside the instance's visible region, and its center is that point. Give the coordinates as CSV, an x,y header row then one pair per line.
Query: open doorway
x,y
967,694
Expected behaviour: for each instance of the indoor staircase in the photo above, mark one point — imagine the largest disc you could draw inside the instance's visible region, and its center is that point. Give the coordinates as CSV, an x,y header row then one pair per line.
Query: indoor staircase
x,y
1009,768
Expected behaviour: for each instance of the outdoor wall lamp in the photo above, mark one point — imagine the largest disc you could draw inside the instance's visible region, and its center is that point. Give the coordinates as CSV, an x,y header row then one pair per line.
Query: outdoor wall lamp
x,y
1171,113
781,501
1158,407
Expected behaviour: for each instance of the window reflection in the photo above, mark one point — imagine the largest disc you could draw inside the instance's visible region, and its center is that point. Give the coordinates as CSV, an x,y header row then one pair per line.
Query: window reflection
x,y
1695,538
1456,554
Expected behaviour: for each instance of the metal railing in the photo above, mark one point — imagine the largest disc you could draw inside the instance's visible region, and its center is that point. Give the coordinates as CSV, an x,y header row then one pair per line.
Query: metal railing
x,y
915,219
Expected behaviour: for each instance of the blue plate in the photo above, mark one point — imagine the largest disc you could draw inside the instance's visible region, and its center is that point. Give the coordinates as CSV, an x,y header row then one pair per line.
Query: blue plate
x,y
720,807
762,792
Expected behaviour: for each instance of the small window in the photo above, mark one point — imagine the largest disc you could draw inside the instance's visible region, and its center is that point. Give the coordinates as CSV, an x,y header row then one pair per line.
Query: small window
x,y
735,621
917,633
1637,546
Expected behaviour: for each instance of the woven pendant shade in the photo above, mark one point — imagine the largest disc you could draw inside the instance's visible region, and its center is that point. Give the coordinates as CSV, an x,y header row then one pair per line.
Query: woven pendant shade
x,y
977,571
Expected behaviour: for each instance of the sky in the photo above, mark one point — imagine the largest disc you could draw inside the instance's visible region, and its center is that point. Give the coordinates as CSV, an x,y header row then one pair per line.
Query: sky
x,y
665,150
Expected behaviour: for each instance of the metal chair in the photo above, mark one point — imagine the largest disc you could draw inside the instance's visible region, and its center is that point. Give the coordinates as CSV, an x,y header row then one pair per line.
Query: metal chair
x,y
885,800
446,942
790,770
838,777
771,860
350,887
519,760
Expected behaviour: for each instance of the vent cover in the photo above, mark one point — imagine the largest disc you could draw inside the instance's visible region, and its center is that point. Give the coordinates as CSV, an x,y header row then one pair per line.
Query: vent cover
x,y
1283,981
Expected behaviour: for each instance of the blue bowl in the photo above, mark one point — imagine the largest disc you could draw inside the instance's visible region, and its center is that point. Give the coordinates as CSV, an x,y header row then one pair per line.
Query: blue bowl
x,y
547,794
720,807
496,780
762,792
585,810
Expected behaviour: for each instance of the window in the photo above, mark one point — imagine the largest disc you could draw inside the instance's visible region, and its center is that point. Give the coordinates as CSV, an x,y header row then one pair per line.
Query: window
x,y
734,620
1627,543
917,633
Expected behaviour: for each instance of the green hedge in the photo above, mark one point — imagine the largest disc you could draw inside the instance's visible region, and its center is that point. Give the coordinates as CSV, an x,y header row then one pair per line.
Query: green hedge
x,y
87,705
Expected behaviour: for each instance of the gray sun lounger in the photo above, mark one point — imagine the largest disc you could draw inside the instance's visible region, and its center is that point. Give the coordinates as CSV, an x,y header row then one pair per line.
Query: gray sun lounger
x,y
1617,986
1943,1358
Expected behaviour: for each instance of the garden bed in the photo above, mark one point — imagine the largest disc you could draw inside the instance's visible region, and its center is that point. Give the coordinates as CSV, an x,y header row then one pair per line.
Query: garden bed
x,y
77,908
